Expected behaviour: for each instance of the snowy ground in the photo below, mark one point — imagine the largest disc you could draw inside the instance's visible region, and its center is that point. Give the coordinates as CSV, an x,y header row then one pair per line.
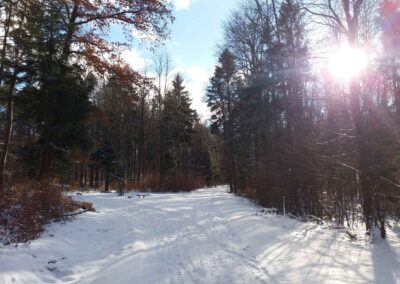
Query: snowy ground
x,y
206,236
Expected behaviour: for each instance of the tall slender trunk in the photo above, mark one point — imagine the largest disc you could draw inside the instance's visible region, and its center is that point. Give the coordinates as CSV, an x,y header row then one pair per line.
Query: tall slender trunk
x,y
7,134
141,152
96,175
106,179
278,36
367,177
7,24
10,95
160,142
70,30
396,89
45,158
91,176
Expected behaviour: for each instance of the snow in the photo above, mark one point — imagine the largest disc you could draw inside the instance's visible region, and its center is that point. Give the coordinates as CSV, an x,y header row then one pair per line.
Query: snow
x,y
206,236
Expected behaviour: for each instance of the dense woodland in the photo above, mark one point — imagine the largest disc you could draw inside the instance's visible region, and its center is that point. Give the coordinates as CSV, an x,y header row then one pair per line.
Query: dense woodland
x,y
293,137
77,115
282,131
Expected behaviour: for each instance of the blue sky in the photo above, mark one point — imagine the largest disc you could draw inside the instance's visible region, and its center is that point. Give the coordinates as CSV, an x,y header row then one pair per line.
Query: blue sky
x,y
192,46
198,29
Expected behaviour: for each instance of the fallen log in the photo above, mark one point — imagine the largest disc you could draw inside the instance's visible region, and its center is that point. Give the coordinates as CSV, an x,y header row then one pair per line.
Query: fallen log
x,y
84,207
88,205
351,235
337,227
316,219
76,213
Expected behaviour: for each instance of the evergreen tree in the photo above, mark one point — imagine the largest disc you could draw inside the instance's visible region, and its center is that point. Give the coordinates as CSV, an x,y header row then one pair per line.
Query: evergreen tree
x,y
222,97
177,128
55,97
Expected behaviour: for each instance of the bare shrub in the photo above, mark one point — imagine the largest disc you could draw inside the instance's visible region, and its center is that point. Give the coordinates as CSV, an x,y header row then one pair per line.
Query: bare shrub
x,y
26,208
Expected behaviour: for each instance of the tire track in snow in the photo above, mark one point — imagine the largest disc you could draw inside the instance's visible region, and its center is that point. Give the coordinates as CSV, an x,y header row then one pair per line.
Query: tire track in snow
x,y
235,246
224,251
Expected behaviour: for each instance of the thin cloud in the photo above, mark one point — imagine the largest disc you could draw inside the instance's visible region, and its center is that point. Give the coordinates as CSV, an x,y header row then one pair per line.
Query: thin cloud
x,y
196,78
182,4
135,59
196,81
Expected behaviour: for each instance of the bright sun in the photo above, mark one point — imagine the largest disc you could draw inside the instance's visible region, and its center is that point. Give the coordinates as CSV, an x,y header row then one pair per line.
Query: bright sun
x,y
347,63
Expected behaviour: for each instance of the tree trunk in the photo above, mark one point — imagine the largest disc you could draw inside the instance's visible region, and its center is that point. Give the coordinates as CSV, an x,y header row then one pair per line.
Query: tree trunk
x,y
6,27
96,176
45,160
7,134
91,176
106,180
70,31
10,95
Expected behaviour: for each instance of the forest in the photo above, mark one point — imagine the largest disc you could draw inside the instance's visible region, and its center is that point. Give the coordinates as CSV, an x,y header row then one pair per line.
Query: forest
x,y
303,139
304,101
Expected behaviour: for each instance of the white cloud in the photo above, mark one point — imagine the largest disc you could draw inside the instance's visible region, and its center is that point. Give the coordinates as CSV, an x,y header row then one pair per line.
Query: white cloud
x,y
196,78
146,37
196,81
181,4
135,59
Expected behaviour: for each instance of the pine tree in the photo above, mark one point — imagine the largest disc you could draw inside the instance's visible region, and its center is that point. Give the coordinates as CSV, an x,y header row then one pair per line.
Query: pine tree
x,y
177,128
13,21
55,96
222,97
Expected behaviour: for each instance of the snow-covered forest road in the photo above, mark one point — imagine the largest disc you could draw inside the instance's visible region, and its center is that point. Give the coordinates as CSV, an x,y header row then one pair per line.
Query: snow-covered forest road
x,y
207,236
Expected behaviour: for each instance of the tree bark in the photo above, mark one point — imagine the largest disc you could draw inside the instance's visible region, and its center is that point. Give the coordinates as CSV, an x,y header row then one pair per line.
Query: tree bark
x,y
106,180
7,134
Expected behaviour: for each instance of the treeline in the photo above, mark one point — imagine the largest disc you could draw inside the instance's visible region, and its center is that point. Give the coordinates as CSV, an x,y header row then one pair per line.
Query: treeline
x,y
296,139
75,114
148,138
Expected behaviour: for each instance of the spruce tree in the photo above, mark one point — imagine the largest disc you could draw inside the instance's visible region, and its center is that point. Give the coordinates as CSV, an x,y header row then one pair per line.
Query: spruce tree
x,y
177,128
222,98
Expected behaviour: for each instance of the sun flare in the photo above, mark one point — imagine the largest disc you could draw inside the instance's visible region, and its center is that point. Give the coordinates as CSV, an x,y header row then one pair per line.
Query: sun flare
x,y
347,63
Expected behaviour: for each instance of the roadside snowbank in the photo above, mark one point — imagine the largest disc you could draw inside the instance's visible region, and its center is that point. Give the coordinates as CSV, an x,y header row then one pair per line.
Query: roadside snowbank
x,y
207,236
